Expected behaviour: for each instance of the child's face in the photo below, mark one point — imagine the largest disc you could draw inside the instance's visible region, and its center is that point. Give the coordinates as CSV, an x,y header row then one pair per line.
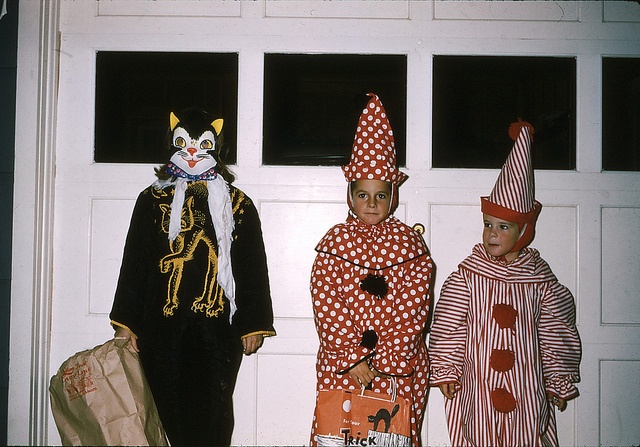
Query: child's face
x,y
371,200
499,237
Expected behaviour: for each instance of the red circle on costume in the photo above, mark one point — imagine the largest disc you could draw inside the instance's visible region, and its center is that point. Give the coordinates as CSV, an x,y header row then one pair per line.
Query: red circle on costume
x,y
505,315
502,360
502,400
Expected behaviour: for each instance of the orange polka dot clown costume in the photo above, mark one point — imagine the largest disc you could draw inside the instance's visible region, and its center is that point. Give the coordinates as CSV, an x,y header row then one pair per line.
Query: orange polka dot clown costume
x,y
370,284
504,332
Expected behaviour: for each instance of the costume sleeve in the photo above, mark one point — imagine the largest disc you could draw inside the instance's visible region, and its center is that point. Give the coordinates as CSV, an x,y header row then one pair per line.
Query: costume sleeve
x,y
339,337
128,304
449,331
559,342
400,338
249,262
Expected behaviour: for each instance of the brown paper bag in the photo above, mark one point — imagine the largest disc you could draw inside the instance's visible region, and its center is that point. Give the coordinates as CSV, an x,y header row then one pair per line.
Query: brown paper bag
x,y
100,397
364,418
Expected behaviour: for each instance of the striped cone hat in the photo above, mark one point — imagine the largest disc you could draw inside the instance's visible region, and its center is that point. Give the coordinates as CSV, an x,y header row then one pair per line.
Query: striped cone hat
x,y
513,195
373,155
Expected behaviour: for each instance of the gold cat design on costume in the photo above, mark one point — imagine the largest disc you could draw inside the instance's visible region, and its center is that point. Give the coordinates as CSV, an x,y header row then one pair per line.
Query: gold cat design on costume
x,y
210,301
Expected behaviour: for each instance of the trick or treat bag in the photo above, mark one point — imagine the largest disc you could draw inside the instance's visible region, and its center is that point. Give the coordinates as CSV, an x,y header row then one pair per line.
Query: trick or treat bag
x,y
100,397
364,418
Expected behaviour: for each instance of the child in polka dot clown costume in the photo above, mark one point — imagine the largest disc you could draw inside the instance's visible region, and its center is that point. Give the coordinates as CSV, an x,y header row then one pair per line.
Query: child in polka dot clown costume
x,y
371,281
504,347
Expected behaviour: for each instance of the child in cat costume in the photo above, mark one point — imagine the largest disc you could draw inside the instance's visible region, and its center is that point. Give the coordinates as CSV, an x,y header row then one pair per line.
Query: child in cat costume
x,y
370,281
504,348
193,292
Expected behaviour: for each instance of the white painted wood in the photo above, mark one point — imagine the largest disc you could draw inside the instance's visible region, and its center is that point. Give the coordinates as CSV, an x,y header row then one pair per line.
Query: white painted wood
x,y
343,9
68,232
620,12
619,391
169,8
620,266
32,230
490,10
108,224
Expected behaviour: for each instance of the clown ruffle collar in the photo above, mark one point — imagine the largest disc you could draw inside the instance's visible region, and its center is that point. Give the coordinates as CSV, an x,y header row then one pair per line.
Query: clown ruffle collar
x,y
529,267
176,171
374,247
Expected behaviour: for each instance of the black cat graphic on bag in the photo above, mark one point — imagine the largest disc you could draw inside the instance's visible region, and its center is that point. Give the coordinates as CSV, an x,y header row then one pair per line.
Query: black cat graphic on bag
x,y
383,415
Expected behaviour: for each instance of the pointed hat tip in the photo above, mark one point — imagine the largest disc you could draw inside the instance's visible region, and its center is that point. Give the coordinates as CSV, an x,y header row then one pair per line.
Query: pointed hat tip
x,y
514,129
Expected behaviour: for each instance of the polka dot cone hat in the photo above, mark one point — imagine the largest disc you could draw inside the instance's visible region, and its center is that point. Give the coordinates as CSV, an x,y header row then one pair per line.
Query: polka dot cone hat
x,y
373,155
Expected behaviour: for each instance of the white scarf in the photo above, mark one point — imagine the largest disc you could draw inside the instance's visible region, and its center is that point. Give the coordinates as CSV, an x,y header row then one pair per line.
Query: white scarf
x,y
219,199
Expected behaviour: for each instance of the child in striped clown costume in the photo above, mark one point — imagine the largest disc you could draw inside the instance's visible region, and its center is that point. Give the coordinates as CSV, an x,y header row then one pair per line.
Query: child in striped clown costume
x,y
504,348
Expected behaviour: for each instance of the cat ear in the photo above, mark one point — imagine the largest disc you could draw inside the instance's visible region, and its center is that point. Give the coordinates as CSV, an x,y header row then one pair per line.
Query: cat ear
x,y
173,121
217,125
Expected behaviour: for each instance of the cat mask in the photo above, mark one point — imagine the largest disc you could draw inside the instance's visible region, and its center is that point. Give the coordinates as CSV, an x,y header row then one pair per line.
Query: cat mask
x,y
194,140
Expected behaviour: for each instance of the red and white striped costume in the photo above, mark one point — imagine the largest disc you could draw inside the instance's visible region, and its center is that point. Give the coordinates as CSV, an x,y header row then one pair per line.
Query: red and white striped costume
x,y
505,332
343,311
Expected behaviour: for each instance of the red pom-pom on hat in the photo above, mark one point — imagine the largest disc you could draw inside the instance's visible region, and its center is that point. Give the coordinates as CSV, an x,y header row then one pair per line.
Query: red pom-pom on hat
x,y
515,128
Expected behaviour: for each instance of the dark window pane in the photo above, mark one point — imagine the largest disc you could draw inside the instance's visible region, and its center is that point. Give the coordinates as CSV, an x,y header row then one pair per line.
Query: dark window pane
x,y
620,114
312,103
476,98
136,91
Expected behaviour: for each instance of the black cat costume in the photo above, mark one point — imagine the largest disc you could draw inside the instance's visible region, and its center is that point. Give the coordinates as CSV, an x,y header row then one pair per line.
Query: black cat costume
x,y
193,283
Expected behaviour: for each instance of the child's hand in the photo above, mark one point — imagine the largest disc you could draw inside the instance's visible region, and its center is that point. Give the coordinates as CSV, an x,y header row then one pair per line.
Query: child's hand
x,y
557,401
362,374
124,333
252,343
448,390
